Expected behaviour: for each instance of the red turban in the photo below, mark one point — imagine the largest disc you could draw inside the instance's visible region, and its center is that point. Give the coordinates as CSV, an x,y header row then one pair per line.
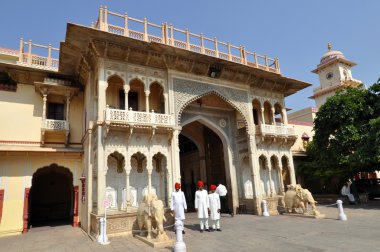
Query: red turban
x,y
212,187
200,183
177,186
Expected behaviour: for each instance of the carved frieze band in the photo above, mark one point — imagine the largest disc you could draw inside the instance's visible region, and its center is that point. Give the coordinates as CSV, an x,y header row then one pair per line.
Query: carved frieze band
x,y
186,91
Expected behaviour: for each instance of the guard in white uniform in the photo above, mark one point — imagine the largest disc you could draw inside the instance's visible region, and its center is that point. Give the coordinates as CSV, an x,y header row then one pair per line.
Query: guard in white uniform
x,y
178,204
202,206
214,203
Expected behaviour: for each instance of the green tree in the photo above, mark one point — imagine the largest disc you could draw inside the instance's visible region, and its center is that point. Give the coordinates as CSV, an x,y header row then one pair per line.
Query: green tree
x,y
347,135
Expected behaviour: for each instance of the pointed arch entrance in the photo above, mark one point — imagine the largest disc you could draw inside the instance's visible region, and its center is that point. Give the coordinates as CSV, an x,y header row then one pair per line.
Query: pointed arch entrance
x,y
51,196
211,122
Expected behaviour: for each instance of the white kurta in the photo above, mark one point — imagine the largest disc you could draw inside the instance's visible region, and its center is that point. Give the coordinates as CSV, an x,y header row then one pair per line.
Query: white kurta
x,y
201,203
345,191
178,205
214,202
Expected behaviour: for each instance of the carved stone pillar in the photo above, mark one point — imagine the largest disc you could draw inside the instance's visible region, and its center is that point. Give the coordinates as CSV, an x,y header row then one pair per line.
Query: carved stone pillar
x,y
127,189
68,97
149,181
126,91
291,169
262,115
254,163
273,115
176,150
168,189
102,171
147,100
102,87
284,116
282,181
44,99
270,180
166,104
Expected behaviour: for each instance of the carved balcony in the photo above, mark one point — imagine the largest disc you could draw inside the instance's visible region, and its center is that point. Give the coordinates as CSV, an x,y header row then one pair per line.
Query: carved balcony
x,y
275,131
138,118
55,129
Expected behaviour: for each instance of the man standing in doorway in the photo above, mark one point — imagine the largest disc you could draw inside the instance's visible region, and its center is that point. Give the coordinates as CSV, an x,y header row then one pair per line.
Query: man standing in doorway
x,y
222,191
202,206
178,204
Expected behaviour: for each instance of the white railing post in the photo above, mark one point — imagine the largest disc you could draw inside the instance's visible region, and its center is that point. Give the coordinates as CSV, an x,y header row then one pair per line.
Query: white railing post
x,y
341,215
166,42
229,51
266,62
202,44
21,53
171,35
255,57
105,24
101,18
163,33
29,52
216,47
145,29
265,209
179,246
277,64
126,30
243,55
187,39
48,63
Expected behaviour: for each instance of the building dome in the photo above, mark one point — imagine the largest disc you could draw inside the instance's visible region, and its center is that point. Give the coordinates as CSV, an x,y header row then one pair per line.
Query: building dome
x,y
331,54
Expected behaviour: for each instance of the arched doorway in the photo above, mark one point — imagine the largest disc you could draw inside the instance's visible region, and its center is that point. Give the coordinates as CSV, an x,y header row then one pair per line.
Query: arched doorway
x,y
51,196
201,158
212,122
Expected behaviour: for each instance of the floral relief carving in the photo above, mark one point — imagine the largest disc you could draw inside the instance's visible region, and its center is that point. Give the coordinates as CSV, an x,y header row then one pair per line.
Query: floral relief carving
x,y
186,91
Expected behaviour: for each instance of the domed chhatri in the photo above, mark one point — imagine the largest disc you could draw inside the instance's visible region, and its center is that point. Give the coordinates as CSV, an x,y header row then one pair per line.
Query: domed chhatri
x,y
331,54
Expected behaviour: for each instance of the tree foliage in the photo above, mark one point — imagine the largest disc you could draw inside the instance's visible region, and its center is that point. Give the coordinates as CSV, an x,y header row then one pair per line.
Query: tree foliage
x,y
347,135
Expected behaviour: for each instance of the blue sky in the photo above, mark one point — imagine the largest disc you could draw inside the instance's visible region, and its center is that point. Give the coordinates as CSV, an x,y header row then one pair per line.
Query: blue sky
x,y
295,31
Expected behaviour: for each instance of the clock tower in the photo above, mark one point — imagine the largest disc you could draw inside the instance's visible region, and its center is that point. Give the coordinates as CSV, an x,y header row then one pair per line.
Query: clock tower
x,y
334,73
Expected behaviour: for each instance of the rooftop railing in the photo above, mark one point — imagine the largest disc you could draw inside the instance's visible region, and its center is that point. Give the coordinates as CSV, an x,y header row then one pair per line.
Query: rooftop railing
x,y
27,57
169,35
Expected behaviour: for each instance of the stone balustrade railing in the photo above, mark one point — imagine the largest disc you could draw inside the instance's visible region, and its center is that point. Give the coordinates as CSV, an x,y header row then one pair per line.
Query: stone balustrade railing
x,y
169,35
138,118
55,125
275,130
30,58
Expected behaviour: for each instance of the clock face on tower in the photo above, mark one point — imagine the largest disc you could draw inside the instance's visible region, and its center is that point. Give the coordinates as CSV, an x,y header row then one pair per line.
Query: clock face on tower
x,y
329,75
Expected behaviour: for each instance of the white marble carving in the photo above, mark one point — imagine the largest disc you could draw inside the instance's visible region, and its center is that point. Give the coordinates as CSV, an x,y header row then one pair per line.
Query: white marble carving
x,y
116,181
186,91
264,177
247,181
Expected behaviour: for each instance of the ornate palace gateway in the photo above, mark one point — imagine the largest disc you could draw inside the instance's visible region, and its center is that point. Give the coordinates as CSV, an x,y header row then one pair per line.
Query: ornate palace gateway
x,y
126,113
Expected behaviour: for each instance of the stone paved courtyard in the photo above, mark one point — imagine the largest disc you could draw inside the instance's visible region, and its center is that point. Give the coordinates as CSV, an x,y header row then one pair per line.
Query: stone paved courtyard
x,y
241,233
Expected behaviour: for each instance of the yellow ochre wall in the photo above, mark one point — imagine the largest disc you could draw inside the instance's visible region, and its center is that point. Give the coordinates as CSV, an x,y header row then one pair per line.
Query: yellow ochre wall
x,y
21,115
16,172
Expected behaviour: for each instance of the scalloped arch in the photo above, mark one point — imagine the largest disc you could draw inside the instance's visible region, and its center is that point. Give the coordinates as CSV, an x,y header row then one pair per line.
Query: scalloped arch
x,y
115,75
208,93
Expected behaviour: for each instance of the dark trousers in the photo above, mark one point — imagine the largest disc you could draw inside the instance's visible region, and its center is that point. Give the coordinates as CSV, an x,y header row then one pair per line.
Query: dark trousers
x,y
224,204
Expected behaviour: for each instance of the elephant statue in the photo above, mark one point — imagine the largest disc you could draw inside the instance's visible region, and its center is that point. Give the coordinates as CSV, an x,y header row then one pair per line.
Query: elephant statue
x,y
150,214
297,197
